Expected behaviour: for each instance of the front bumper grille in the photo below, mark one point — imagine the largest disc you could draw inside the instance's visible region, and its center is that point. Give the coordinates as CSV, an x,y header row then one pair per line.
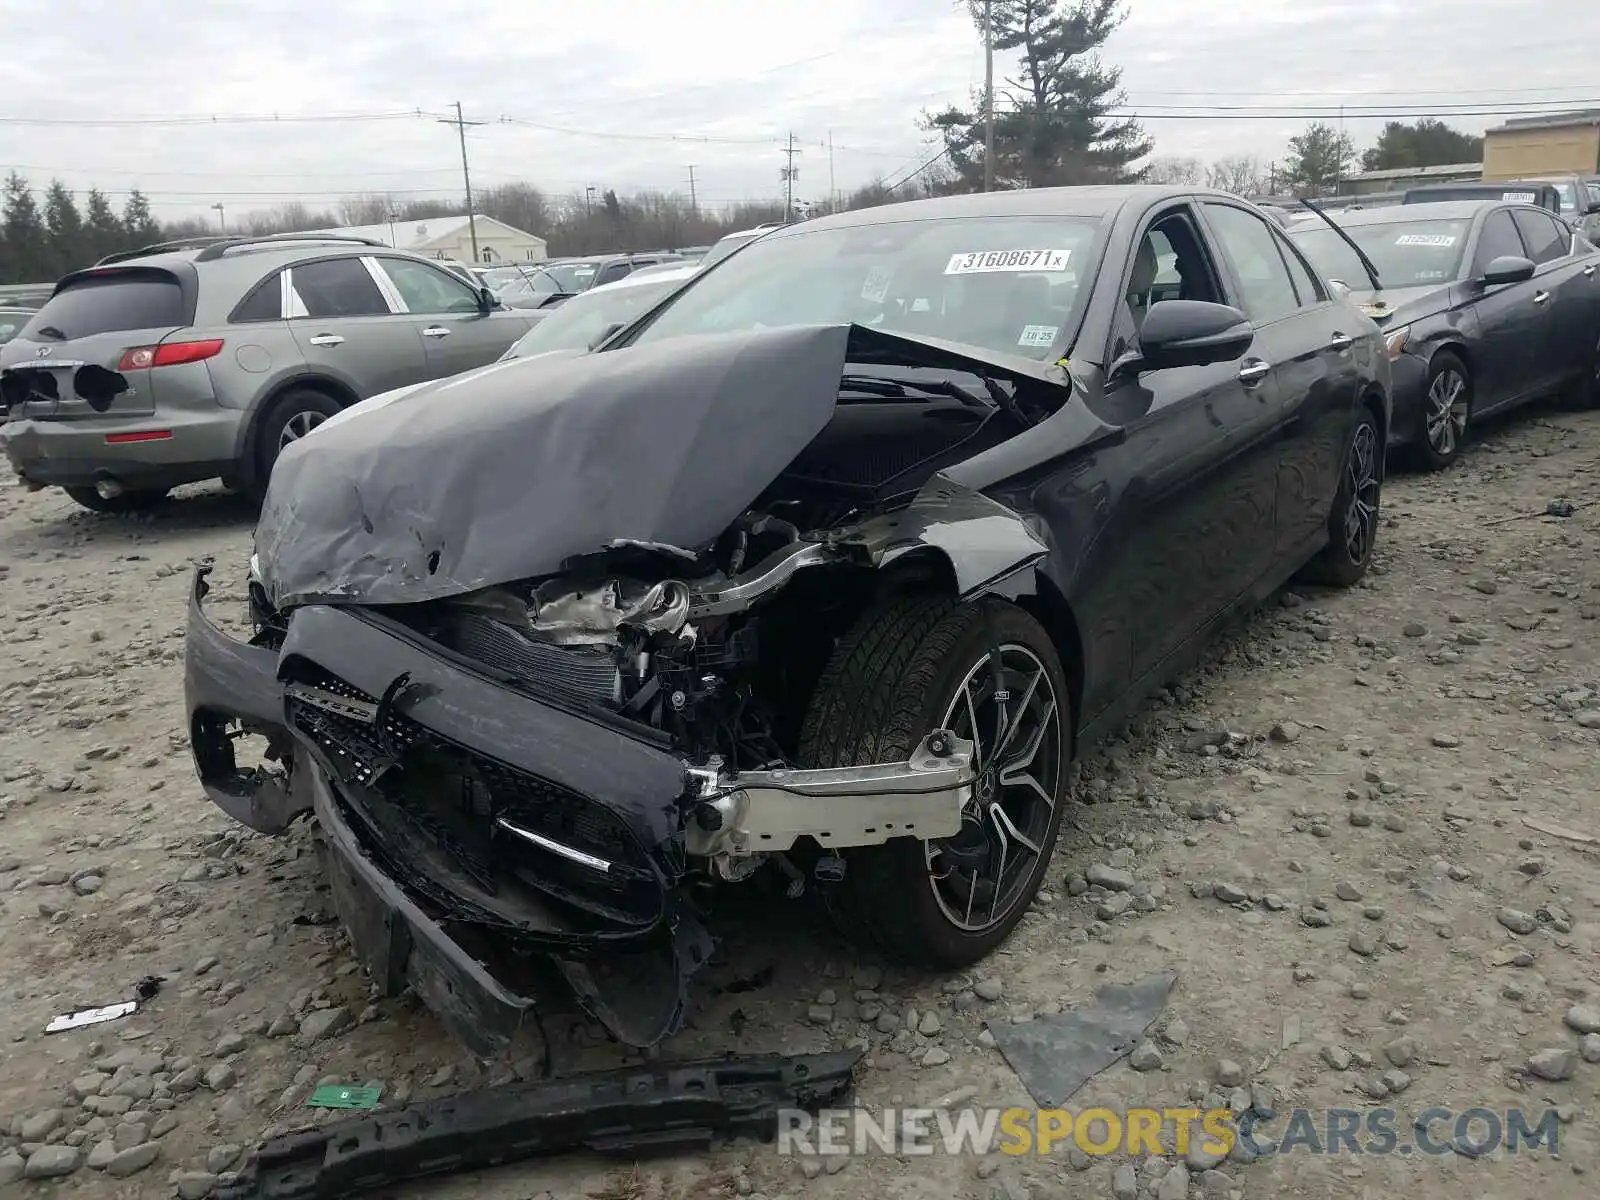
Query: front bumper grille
x,y
446,818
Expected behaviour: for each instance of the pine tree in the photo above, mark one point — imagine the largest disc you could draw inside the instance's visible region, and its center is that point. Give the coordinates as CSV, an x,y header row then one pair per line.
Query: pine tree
x,y
102,229
141,228
1053,122
65,230
26,243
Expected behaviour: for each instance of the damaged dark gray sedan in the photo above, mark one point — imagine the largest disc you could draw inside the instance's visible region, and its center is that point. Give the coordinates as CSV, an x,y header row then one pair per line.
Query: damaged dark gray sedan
x,y
824,569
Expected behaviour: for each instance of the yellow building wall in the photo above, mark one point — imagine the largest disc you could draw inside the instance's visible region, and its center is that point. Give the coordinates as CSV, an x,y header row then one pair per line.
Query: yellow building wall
x,y
1555,150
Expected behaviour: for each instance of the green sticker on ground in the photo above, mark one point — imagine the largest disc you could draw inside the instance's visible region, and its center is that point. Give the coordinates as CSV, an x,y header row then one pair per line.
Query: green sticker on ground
x,y
339,1095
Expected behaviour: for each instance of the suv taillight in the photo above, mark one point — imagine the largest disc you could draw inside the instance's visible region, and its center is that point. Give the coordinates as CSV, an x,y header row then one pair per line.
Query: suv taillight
x,y
168,354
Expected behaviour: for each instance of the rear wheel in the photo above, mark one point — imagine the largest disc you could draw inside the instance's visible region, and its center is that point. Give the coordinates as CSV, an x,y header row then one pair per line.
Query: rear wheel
x,y
1353,520
136,501
989,672
292,415
1446,409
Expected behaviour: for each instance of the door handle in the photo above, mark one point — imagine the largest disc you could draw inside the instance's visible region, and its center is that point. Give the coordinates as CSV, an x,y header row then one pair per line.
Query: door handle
x,y
1541,297
435,331
325,339
1340,341
1589,270
1254,372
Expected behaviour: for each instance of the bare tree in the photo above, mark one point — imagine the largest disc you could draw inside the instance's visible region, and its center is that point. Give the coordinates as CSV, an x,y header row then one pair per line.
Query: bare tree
x,y
1173,168
1237,173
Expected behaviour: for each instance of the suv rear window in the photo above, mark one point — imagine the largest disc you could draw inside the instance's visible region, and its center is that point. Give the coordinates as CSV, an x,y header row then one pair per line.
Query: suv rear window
x,y
110,302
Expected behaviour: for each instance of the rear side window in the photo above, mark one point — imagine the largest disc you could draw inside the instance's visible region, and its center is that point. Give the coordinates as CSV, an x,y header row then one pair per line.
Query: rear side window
x,y
337,287
264,303
110,302
1547,239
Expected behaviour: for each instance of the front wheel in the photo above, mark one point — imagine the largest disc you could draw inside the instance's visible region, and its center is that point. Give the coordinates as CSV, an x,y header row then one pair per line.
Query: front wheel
x,y
988,672
137,500
1353,520
1446,408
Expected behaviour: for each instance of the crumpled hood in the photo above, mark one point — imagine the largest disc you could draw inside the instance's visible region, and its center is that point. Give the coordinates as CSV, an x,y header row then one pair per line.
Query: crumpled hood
x,y
452,488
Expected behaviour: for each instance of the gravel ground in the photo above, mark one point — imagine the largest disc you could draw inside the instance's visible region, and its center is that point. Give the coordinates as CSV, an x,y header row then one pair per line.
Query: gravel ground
x,y
1362,836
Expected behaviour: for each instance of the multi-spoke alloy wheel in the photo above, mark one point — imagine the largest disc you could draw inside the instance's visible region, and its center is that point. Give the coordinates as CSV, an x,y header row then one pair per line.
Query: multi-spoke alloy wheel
x,y
1363,480
1448,408
1006,705
298,425
988,672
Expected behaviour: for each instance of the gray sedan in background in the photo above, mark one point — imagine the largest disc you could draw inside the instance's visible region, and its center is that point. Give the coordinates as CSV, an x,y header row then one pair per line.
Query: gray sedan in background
x,y
1484,305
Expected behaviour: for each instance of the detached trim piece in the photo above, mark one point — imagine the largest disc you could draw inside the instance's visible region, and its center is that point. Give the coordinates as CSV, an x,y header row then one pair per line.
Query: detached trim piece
x,y
630,1112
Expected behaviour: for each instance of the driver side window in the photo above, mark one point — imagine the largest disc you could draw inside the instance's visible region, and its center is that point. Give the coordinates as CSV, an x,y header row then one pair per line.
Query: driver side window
x,y
1498,239
427,289
1168,264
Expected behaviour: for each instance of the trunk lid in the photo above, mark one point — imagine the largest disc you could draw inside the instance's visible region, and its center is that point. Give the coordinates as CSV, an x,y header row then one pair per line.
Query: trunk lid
x,y
72,360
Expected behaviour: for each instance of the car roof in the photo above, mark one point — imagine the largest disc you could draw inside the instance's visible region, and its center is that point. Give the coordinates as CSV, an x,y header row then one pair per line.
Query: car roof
x,y
665,273
1389,214
1095,201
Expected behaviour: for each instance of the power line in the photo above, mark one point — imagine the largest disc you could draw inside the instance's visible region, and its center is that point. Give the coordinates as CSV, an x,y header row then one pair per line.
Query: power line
x,y
216,119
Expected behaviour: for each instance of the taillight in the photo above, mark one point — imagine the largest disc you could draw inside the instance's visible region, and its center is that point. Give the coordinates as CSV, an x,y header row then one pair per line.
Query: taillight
x,y
168,354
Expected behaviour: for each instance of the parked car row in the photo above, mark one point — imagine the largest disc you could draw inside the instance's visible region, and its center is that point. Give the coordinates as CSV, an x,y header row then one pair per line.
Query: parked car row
x,y
1484,305
825,564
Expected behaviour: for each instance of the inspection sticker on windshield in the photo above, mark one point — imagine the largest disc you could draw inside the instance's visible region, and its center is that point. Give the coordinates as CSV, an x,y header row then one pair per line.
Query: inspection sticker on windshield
x,y
983,261
876,286
1425,239
1037,336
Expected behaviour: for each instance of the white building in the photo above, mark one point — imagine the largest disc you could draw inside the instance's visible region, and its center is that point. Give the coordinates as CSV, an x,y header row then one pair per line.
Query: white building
x,y
451,238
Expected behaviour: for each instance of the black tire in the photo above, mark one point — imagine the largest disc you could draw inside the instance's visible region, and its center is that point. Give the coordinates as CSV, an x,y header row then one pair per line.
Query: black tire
x,y
890,682
1584,394
299,409
1446,411
135,501
1344,562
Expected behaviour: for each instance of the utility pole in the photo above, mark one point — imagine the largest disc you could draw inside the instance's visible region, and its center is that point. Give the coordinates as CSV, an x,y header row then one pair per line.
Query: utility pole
x,y
694,207
988,95
222,217
466,176
833,192
789,173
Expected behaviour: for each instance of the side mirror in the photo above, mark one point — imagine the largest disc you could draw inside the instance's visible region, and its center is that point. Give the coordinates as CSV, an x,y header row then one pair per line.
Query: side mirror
x,y
1192,333
487,300
1508,268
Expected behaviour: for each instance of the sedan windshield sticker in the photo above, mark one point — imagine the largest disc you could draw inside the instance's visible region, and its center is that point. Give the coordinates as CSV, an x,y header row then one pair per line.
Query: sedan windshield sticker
x,y
1520,197
1037,337
1425,239
983,261
876,286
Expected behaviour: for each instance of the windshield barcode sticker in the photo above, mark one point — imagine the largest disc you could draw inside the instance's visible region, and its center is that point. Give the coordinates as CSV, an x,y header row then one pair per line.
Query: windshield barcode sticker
x,y
1425,239
1518,197
982,261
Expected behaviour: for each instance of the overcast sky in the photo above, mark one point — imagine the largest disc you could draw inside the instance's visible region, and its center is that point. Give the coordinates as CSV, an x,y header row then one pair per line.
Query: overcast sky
x,y
631,92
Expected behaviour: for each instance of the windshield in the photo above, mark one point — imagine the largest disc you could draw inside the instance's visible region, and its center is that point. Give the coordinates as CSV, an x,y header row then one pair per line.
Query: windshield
x,y
1008,284
574,276
1406,253
578,322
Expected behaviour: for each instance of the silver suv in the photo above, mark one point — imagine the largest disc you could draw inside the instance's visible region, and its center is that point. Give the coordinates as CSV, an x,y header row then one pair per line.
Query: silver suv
x,y
202,359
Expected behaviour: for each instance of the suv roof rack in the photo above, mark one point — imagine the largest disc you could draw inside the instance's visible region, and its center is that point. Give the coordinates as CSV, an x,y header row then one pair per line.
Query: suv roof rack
x,y
189,243
214,246
222,245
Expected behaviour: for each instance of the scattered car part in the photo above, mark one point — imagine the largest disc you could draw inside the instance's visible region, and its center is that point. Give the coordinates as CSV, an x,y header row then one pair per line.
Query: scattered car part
x,y
145,989
1056,1055
632,1111
341,1095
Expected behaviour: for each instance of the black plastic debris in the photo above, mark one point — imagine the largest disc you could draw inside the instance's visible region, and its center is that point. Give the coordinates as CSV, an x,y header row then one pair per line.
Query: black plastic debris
x,y
632,1112
145,989
1054,1056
